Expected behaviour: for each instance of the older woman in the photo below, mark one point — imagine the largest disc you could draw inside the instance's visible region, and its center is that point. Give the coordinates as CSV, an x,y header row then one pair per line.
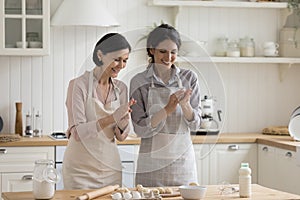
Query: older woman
x,y
98,112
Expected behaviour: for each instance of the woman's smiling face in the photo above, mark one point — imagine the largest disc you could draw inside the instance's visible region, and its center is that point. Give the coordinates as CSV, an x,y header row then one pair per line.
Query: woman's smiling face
x,y
116,61
165,53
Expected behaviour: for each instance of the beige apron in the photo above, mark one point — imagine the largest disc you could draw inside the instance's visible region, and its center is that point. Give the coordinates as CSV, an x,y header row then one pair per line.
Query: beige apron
x,y
171,160
94,161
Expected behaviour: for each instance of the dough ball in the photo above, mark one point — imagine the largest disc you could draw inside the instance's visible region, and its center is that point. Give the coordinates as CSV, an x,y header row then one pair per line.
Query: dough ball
x,y
122,189
161,190
155,191
169,190
116,196
194,184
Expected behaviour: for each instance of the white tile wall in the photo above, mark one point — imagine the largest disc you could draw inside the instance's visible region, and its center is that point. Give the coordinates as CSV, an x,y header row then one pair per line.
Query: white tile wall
x,y
255,96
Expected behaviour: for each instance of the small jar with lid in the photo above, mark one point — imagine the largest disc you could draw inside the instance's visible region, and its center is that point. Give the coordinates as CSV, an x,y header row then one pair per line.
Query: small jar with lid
x,y
32,36
247,47
233,49
221,46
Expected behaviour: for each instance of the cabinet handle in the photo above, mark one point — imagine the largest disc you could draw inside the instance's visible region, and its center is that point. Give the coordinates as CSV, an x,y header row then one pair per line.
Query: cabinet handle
x,y
233,147
288,154
3,151
265,149
27,177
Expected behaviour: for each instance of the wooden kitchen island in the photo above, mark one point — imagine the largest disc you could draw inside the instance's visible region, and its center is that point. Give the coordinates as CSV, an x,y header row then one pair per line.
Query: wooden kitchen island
x,y
213,193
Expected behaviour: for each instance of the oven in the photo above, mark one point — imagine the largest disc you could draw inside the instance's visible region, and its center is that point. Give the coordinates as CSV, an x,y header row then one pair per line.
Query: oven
x,y
127,155
59,155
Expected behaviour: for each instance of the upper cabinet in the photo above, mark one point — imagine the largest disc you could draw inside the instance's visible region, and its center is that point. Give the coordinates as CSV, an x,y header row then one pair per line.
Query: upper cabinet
x,y
25,27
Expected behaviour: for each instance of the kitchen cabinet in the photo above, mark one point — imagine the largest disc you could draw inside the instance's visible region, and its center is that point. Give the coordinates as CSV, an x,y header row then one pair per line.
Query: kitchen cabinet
x,y
127,155
266,165
25,27
15,182
202,154
17,164
226,159
289,176
278,169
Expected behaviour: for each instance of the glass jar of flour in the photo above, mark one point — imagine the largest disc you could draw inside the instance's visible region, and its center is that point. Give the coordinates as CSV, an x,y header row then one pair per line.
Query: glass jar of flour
x,y
44,178
247,47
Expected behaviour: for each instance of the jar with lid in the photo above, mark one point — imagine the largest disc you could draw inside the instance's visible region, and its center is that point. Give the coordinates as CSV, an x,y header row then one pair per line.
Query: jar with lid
x,y
44,178
32,36
247,47
233,49
221,46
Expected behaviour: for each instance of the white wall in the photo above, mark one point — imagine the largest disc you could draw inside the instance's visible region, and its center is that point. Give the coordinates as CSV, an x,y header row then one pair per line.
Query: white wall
x,y
255,96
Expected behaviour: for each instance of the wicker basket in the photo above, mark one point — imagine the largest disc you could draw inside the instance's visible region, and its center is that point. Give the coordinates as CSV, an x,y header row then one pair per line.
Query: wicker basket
x,y
9,137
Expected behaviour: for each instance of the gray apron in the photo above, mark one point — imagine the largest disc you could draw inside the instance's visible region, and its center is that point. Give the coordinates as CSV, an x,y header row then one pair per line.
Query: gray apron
x,y
171,160
94,161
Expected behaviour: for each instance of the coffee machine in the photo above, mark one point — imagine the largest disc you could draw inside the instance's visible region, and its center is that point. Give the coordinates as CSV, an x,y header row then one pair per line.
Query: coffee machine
x,y
209,124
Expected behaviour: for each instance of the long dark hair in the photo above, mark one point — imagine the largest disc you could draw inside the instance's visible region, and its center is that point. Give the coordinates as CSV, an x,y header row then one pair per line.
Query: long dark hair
x,y
109,43
159,34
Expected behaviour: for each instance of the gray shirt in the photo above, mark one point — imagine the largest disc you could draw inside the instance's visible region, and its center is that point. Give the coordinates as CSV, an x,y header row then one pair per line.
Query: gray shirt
x,y
139,87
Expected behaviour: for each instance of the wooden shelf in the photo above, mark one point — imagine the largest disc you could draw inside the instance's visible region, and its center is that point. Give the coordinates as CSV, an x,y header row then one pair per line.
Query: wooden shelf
x,y
245,60
219,4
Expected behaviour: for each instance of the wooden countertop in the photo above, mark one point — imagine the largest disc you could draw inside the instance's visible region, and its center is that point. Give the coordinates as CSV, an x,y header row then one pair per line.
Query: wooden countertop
x,y
213,193
285,142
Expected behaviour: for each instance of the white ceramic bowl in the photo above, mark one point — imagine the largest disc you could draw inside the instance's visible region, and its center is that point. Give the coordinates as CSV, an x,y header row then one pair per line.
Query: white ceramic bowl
x,y
35,44
192,192
19,44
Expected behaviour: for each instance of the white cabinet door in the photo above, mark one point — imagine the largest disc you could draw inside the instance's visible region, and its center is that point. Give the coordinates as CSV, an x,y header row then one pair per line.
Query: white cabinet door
x,y
16,166
127,155
16,182
128,174
267,166
202,152
226,159
287,171
21,159
24,27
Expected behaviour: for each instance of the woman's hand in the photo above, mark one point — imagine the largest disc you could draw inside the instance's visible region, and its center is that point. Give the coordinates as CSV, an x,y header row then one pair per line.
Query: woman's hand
x,y
123,110
185,97
119,134
172,104
121,115
185,105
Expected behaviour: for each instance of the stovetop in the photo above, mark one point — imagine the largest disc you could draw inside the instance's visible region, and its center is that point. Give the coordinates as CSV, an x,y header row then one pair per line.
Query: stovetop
x,y
58,136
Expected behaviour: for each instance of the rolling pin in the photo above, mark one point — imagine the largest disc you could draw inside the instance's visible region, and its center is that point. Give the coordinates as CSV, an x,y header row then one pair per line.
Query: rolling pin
x,y
98,193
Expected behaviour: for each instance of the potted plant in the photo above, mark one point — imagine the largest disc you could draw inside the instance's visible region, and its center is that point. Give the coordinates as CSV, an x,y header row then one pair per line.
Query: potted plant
x,y
294,5
148,30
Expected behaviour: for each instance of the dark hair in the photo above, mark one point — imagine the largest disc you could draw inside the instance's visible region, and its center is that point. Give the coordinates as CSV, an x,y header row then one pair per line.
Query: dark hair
x,y
109,43
161,33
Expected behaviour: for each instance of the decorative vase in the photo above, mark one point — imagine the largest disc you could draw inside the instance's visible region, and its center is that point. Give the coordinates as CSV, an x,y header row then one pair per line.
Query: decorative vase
x,y
19,121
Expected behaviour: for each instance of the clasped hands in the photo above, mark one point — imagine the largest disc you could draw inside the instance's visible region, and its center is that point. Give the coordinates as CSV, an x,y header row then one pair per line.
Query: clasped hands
x,y
121,117
181,97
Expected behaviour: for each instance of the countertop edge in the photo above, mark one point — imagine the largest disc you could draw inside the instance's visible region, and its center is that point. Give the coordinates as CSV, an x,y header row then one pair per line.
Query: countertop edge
x,y
284,142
